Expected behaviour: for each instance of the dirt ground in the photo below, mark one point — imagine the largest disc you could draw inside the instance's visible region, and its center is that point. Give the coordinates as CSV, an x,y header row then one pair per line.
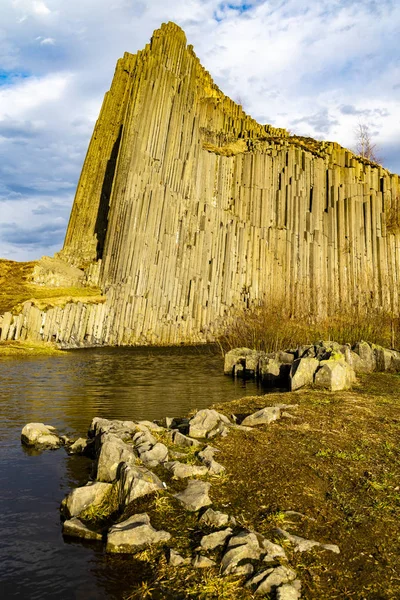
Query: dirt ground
x,y
337,464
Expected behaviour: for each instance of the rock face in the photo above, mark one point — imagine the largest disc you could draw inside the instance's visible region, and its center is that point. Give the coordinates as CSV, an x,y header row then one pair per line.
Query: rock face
x,y
187,207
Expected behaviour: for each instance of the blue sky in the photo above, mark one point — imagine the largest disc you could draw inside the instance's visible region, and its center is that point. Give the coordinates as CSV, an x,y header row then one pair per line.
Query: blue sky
x,y
316,68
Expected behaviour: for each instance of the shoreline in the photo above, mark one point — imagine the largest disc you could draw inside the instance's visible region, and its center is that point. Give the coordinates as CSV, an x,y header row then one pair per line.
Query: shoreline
x,y
328,474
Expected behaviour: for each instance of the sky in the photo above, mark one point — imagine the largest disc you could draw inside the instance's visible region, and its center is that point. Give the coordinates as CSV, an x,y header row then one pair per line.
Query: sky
x,y
315,67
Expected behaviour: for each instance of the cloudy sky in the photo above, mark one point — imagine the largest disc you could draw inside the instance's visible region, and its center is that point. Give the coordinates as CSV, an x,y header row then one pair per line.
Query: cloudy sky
x,y
316,67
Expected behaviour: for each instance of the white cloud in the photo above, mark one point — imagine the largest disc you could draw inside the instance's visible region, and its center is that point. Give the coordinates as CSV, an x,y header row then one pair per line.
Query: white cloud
x,y
40,8
315,68
20,100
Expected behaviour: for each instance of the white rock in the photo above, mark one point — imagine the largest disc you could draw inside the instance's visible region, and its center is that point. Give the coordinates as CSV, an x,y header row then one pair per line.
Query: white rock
x,y
39,434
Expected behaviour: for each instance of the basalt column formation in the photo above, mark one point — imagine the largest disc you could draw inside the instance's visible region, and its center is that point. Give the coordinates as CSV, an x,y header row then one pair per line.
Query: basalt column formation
x,y
188,209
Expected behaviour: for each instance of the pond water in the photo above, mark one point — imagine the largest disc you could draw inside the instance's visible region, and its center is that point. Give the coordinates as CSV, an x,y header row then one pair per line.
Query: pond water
x,y
67,392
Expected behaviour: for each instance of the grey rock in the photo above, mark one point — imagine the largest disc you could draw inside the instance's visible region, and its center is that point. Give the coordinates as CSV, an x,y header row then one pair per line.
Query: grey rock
x,y
202,562
303,545
236,357
386,360
244,570
113,452
334,375
195,496
136,482
182,440
81,498
144,437
134,533
213,540
155,455
367,356
271,579
78,447
270,370
274,551
181,470
75,528
40,435
152,426
305,352
302,372
241,427
207,423
124,430
243,546
176,560
263,417
214,518
289,591
206,456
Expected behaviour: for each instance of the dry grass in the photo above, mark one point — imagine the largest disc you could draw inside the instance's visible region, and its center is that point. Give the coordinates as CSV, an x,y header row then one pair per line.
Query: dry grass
x,y
272,328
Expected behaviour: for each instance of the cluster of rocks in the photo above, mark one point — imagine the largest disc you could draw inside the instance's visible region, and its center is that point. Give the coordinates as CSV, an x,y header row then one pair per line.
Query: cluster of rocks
x,y
125,455
326,365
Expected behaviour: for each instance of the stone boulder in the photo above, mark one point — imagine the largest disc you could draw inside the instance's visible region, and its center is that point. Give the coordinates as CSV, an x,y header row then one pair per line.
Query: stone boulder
x,y
154,456
302,372
289,591
125,430
241,362
78,447
183,440
195,496
40,435
207,423
334,375
213,540
367,362
135,482
244,546
386,360
202,562
75,528
81,498
113,452
215,518
134,533
269,580
301,544
181,470
265,416
206,456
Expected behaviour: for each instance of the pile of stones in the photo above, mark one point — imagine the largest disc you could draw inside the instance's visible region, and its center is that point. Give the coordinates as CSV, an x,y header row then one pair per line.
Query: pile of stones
x,y
125,455
326,365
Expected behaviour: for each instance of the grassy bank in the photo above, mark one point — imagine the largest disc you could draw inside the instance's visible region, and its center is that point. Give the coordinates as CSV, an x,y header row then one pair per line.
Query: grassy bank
x,y
16,288
273,328
23,349
330,474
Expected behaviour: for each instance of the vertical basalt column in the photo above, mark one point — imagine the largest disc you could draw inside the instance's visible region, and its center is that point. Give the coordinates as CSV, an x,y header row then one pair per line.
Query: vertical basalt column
x,y
196,210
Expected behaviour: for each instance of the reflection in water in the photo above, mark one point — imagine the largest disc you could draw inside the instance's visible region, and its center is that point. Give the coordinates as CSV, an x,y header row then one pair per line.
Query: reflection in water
x,y
68,391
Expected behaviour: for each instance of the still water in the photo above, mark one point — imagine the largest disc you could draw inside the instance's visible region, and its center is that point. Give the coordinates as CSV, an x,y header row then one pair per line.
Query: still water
x,y
67,392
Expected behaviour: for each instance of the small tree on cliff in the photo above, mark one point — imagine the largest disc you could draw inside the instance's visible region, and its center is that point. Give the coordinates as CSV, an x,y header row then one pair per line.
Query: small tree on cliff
x,y
364,146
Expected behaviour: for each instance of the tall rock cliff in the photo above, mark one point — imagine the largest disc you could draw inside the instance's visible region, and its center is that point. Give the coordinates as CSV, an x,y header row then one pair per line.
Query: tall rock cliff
x,y
187,208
